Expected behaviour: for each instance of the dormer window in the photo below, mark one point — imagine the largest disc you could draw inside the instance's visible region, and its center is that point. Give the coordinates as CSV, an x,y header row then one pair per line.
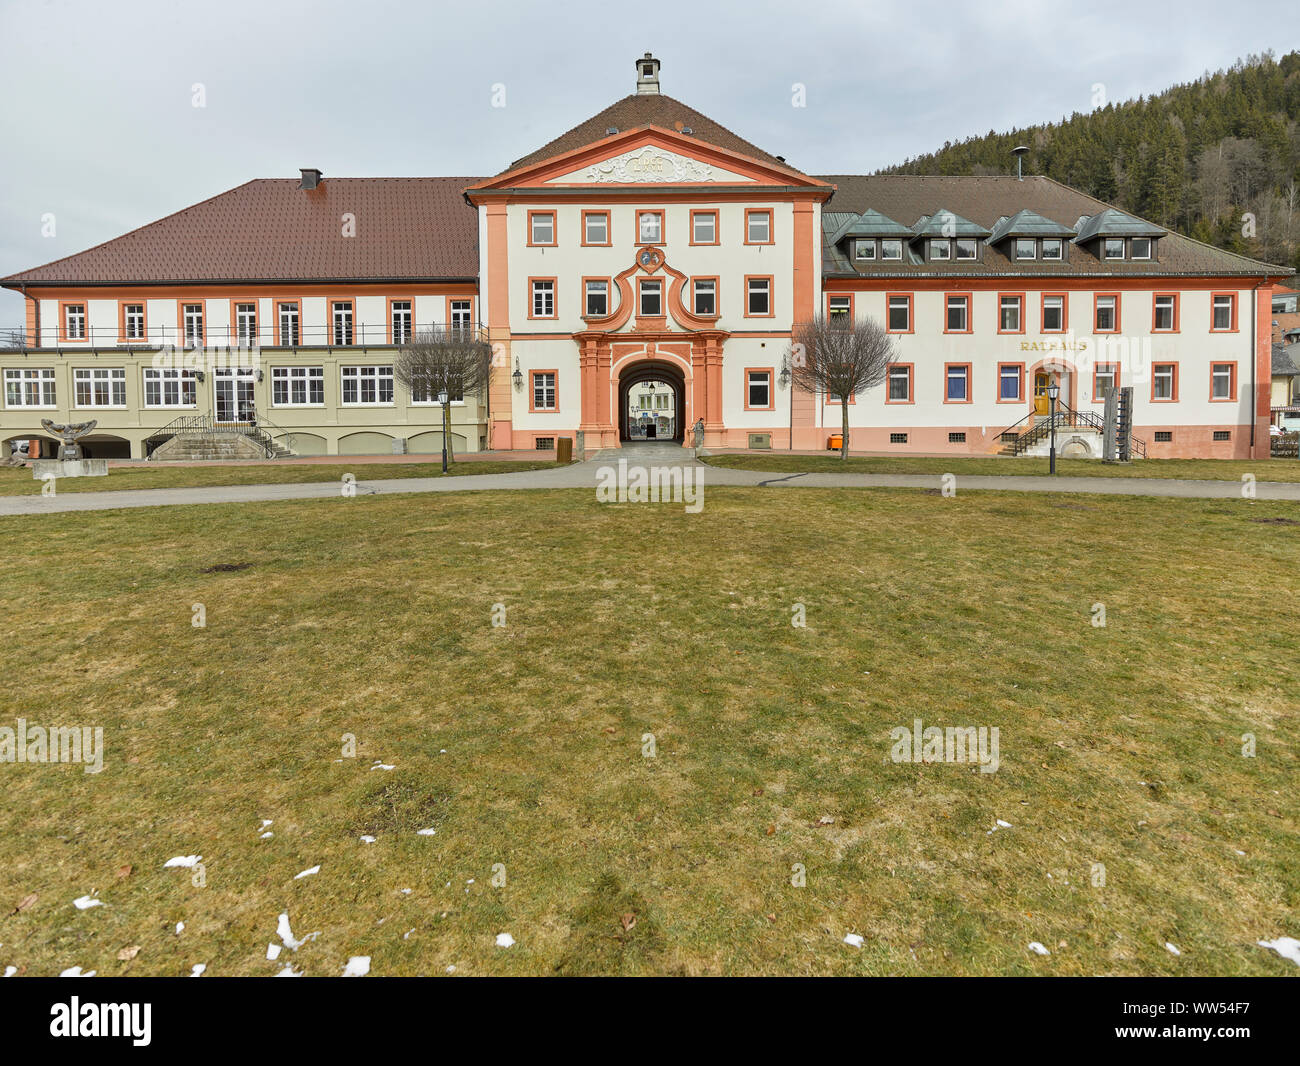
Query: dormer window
x,y
1113,248
891,249
1026,248
864,249
1139,248
940,249
1053,248
967,247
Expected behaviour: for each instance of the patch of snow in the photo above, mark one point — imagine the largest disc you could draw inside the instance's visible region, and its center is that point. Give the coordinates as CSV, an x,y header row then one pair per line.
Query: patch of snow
x,y
367,840
307,873
83,903
266,836
358,966
286,934
180,928
199,969
289,971
273,952
407,934
854,940
1286,946
187,861
75,971
1171,949
266,822
383,766
426,832
10,970
451,969
505,940
1038,948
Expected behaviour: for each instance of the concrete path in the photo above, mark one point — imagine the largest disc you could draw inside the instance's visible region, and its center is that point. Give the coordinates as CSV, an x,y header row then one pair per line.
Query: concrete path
x,y
585,476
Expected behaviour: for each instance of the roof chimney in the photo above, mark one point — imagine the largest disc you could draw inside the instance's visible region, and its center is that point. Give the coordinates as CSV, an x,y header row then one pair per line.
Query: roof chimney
x,y
1020,151
647,76
311,177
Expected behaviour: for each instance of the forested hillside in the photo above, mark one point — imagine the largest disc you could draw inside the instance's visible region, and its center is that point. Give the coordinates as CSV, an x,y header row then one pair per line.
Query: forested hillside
x,y
1196,158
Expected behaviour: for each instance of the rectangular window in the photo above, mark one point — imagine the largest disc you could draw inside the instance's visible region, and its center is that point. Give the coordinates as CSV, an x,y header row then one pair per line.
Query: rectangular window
x,y
891,249
169,388
957,316
341,319
99,388
1107,319
245,324
652,299
966,247
1105,376
1223,434
864,249
1053,248
133,322
287,323
544,444
461,310
543,390
956,383
192,324
706,297
1139,248
758,300
1164,436
1010,382
595,227
704,227
597,305
1112,248
1009,314
940,249
25,387
1165,317
74,322
543,299
425,393
1164,381
1225,313
1223,381
758,226
541,227
758,390
898,438
1026,248
1053,314
840,310
650,227
401,321
899,384
371,385
956,438
899,316
298,386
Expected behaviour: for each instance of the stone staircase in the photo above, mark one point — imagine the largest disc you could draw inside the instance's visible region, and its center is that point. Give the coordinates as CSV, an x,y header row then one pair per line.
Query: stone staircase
x,y
196,438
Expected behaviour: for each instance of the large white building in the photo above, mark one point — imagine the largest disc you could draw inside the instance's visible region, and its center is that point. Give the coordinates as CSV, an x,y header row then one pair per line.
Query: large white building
x,y
647,244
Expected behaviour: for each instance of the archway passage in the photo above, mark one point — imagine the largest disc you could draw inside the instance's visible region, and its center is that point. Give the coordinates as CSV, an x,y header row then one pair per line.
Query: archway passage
x,y
651,402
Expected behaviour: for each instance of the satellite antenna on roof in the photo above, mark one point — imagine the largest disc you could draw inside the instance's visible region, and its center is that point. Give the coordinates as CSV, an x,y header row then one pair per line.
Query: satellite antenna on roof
x,y
1020,151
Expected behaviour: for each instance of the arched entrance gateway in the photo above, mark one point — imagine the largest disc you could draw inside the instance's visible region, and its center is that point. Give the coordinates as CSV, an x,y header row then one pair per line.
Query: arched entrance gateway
x,y
651,402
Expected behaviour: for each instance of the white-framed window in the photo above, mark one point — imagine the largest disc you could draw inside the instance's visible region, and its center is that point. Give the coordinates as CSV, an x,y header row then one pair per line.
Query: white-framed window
x,y
461,310
758,388
650,227
1225,308
595,227
758,227
597,299
1139,248
958,317
402,320
288,314
543,390
30,387
839,309
706,297
899,316
543,299
99,387
759,296
1009,314
1165,309
1112,248
169,388
900,384
192,324
966,247
1163,381
246,323
891,248
298,386
1221,375
958,384
426,394
652,298
1053,248
1026,248
367,385
1053,314
341,321
864,248
940,249
133,322
704,227
1104,379
74,322
542,227
1105,314
1009,377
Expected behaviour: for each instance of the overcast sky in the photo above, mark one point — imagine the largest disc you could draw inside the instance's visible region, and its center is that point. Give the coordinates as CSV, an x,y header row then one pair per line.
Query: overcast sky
x,y
99,128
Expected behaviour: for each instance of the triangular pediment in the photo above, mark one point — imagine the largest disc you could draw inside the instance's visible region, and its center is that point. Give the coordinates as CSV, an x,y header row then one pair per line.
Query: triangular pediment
x,y
650,164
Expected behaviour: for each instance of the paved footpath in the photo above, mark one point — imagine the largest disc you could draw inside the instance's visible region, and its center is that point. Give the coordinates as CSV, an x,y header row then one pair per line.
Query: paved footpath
x,y
585,476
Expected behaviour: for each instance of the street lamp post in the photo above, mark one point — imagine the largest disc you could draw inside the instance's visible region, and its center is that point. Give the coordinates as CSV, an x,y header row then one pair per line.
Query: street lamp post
x,y
1053,392
442,399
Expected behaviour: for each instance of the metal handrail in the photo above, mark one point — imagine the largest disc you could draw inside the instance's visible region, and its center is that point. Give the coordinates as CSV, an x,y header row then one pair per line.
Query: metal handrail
x,y
267,335
1065,417
259,429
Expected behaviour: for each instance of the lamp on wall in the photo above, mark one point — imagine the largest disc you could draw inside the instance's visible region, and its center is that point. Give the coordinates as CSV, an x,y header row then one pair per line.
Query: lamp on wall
x,y
518,376
200,377
783,378
259,377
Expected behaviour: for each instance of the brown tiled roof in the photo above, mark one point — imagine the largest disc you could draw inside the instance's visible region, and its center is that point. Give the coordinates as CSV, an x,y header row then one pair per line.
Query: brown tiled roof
x,y
270,230
648,109
906,197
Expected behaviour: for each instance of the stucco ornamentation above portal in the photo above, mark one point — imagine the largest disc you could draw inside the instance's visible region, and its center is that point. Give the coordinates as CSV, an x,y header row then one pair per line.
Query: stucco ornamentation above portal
x,y
650,165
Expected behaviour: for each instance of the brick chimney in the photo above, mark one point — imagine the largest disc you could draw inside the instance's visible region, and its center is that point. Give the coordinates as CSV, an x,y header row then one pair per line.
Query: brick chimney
x,y
647,76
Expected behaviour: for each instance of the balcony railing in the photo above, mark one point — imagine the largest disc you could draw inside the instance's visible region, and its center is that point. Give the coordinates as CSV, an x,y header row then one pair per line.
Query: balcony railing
x,y
357,335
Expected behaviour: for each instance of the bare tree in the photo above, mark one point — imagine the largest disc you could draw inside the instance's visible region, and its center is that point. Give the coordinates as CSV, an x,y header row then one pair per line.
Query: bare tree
x,y
840,357
453,360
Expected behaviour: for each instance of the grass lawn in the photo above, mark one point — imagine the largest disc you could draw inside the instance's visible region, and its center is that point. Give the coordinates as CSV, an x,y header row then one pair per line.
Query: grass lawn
x,y
522,746
1193,469
18,481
